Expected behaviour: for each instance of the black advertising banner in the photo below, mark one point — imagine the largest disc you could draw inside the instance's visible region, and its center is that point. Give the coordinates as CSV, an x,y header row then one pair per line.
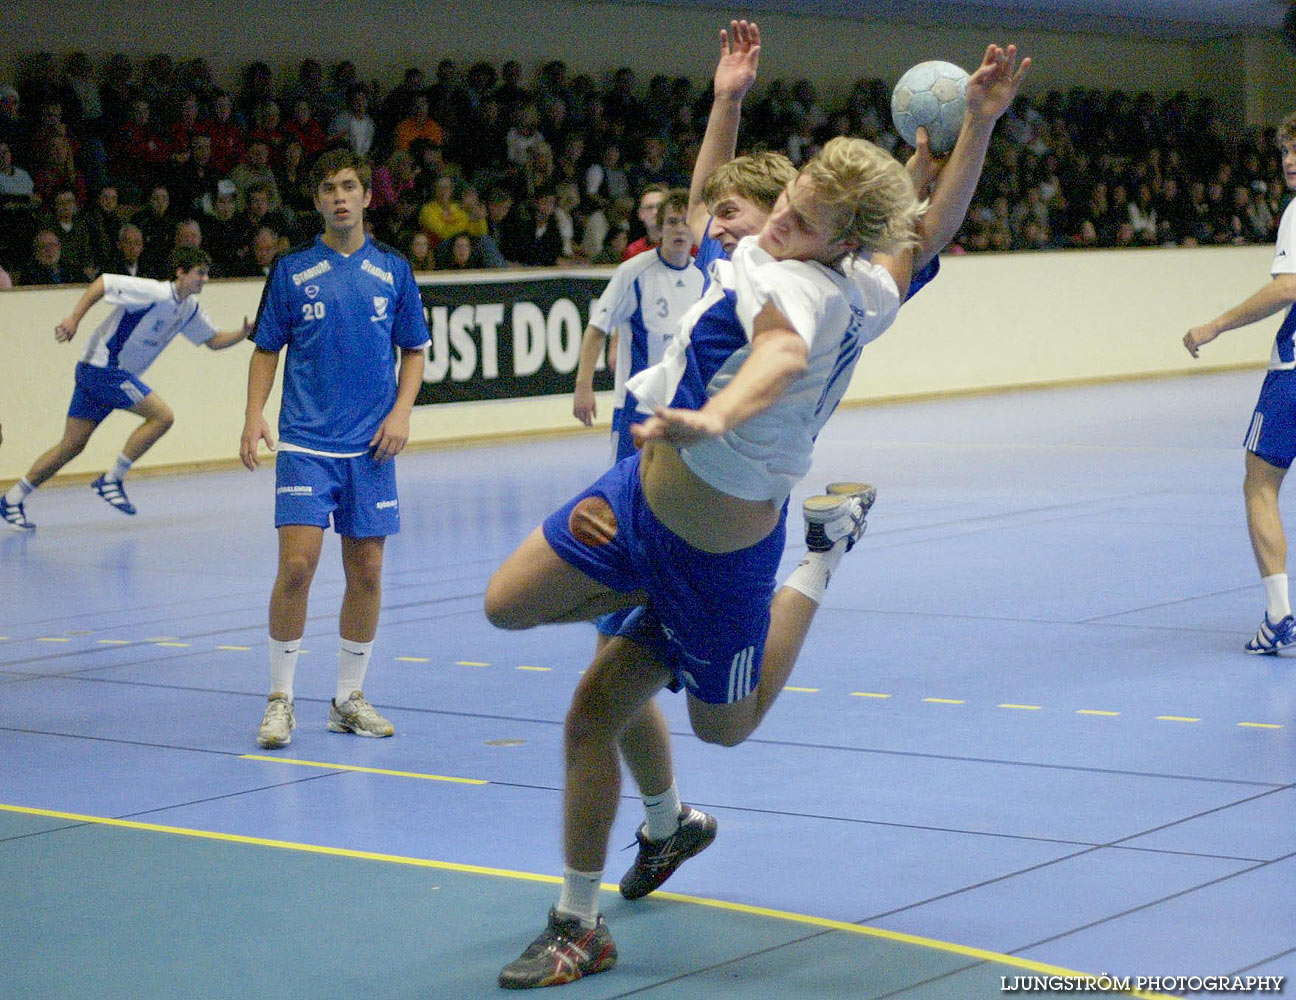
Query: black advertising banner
x,y
507,339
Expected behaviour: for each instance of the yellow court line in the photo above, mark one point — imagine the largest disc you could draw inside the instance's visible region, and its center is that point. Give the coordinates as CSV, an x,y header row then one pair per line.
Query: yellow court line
x,y
413,659
113,642
945,701
53,638
1095,711
1176,718
470,663
362,770
717,904
1024,708
788,687
235,649
174,645
1259,725
544,669
868,694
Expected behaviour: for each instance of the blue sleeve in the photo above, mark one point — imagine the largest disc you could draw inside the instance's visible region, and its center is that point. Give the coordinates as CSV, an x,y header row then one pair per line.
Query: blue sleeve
x,y
274,320
409,328
919,281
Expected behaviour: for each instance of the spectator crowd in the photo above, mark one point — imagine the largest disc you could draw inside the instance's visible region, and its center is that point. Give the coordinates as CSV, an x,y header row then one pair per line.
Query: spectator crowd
x,y
111,168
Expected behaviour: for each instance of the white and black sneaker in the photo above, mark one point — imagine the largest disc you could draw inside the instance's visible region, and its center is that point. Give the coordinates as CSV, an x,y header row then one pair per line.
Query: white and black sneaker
x,y
14,516
841,512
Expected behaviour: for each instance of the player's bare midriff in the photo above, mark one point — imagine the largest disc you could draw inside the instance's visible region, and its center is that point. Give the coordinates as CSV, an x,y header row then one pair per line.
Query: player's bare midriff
x,y
697,512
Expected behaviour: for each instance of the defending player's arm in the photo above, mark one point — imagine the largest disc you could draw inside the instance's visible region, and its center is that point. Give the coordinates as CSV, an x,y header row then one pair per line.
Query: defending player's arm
x,y
778,356
261,376
228,338
584,408
1279,294
990,92
393,434
735,73
67,329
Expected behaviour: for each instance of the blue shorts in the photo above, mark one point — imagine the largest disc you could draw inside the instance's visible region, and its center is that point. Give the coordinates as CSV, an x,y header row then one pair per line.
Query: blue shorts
x,y
99,391
1272,434
359,493
707,614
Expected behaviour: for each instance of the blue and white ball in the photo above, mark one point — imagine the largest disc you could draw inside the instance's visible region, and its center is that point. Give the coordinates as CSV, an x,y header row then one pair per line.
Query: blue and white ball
x,y
932,94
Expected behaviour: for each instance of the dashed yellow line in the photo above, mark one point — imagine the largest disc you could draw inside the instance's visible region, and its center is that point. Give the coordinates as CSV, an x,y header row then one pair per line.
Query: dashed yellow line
x,y
363,770
1177,718
413,659
1096,711
945,701
53,638
1024,708
174,645
802,690
868,694
537,669
470,663
1259,725
234,649
113,642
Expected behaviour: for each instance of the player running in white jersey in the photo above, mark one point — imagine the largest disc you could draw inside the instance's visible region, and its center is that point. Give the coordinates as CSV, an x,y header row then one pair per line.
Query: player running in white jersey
x,y
1271,437
343,307
147,315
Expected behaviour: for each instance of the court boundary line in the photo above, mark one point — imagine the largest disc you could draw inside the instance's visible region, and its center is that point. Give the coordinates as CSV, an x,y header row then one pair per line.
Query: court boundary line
x,y
898,937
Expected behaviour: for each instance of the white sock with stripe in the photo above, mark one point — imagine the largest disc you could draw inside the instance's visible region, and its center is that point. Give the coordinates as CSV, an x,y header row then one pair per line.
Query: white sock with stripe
x,y
353,661
118,472
1276,596
579,896
814,571
663,813
19,492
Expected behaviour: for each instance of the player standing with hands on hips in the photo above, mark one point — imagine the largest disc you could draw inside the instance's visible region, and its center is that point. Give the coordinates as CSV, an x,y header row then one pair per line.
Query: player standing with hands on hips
x,y
1271,439
340,306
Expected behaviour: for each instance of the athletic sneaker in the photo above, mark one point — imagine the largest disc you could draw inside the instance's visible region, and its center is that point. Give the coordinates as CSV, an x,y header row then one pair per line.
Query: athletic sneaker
x,y
564,953
1273,637
355,715
841,513
277,724
658,859
14,516
113,492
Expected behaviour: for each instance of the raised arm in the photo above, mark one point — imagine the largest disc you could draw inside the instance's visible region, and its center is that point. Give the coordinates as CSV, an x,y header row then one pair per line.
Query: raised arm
x,y
735,73
1279,294
228,338
990,92
778,356
67,329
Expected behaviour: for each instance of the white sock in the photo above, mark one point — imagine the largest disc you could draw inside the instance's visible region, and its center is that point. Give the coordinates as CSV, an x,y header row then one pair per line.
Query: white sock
x,y
1275,594
353,661
283,661
814,571
663,813
118,472
19,492
580,896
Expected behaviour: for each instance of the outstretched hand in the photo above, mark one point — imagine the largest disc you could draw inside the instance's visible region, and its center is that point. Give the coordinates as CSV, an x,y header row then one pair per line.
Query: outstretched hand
x,y
994,86
1196,337
679,427
923,166
739,57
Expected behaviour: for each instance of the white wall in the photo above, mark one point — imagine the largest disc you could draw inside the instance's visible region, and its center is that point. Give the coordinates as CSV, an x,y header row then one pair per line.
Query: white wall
x,y
384,36
988,321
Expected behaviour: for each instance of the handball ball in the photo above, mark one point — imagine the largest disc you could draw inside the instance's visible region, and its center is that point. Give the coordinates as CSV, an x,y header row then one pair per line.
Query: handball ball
x,y
931,94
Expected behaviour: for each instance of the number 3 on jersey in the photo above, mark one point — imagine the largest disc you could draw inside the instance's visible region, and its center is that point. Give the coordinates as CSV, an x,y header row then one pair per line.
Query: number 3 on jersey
x,y
312,310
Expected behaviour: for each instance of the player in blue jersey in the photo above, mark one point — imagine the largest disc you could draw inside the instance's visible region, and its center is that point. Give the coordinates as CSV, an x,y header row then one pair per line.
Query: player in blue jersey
x,y
744,406
1271,437
147,315
343,307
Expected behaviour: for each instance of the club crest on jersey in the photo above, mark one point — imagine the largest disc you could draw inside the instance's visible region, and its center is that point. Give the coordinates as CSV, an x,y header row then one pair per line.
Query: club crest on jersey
x,y
380,309
311,291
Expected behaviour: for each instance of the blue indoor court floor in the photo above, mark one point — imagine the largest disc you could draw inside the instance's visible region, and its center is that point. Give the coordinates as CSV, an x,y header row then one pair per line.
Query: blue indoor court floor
x,y
1022,740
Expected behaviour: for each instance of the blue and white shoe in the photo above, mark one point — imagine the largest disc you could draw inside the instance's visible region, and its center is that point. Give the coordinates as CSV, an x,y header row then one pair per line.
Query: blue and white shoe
x,y
1273,636
112,492
841,512
14,516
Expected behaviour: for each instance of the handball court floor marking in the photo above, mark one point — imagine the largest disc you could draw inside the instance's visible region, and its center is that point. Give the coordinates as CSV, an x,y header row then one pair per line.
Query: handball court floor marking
x,y
1054,552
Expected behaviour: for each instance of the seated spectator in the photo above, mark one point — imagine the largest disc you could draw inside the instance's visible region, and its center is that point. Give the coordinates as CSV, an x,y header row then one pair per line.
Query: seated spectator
x,y
392,180
354,127
654,167
227,235
524,134
73,231
304,128
293,181
156,221
46,265
443,217
532,237
13,128
418,250
16,184
614,248
417,124
104,222
194,174
259,213
309,87
260,259
140,153
56,170
459,253
226,133
266,121
255,168
606,181
128,257
181,134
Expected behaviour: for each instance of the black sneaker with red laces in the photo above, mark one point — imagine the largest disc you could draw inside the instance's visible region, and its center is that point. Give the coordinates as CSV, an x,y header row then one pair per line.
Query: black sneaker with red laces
x,y
658,859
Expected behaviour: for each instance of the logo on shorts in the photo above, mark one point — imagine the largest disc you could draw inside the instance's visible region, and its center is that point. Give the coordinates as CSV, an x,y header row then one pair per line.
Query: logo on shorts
x,y
380,308
296,491
385,504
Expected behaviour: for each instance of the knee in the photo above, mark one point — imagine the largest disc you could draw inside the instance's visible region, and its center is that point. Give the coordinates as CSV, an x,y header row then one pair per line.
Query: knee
x,y
721,737
500,610
163,420
296,571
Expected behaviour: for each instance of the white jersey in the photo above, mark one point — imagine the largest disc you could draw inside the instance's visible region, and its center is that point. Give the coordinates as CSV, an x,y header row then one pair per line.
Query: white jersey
x,y
646,298
147,317
1283,356
836,312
